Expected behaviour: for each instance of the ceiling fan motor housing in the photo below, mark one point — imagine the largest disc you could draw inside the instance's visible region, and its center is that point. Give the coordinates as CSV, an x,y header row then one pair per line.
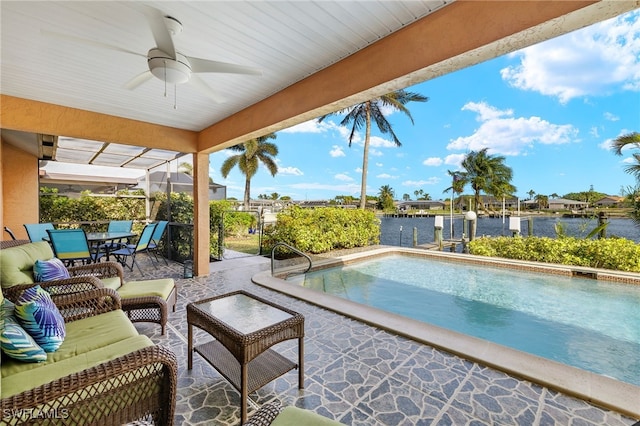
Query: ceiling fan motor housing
x,y
164,67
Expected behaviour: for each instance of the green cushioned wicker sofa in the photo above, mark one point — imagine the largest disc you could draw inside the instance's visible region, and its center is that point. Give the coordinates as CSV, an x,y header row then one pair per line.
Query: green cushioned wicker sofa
x,y
104,373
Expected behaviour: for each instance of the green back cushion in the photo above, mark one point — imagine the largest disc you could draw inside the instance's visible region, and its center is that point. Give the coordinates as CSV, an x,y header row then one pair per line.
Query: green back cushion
x,y
16,263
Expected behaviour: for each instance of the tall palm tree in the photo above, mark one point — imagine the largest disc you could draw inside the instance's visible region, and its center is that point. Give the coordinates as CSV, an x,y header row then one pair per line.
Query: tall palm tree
x,y
372,110
486,173
250,154
632,139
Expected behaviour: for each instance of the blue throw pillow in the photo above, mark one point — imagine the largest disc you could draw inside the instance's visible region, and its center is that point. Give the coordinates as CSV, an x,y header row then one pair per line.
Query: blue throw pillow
x,y
37,313
49,270
15,341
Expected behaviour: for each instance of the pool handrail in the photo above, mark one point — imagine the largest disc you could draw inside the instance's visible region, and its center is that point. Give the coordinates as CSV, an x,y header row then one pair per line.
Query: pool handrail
x,y
293,249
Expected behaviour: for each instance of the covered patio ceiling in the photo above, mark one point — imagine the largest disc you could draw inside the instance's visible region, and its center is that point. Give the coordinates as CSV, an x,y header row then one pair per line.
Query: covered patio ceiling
x,y
314,57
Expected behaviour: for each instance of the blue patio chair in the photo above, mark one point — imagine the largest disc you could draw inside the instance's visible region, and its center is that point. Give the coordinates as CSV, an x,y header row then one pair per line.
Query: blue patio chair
x,y
71,246
116,226
37,231
131,250
161,226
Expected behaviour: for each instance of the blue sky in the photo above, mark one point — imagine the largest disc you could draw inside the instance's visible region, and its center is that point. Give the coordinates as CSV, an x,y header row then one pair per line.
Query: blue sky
x,y
550,109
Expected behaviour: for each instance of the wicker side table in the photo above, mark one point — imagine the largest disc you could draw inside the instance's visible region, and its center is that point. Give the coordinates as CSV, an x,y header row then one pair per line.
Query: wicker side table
x,y
245,327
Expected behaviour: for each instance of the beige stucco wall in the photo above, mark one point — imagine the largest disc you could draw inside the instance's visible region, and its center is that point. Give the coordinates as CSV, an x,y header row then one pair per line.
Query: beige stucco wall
x,y
19,196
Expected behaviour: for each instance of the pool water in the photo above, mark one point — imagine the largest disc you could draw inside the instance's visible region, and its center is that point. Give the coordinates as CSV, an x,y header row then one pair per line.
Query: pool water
x,y
590,324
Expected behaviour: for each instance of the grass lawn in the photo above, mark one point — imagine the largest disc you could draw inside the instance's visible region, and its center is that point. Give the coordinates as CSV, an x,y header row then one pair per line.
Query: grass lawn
x,y
249,244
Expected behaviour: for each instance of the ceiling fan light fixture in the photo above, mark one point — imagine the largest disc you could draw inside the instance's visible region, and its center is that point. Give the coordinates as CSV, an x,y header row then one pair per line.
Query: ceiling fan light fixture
x,y
165,68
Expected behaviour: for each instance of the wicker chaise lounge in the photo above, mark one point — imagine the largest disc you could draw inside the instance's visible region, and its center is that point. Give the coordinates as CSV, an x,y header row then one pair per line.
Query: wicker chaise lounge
x,y
112,377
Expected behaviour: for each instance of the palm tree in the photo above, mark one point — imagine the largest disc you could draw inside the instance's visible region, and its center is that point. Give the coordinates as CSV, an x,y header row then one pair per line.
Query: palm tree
x,y
363,114
186,168
251,154
486,173
457,185
385,197
633,139
531,194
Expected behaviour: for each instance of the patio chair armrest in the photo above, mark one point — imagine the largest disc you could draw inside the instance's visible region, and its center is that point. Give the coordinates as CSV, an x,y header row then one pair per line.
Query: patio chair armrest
x,y
100,270
87,304
139,385
56,287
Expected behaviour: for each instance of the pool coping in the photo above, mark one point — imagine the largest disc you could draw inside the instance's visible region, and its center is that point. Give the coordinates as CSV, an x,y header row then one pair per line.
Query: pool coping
x,y
601,390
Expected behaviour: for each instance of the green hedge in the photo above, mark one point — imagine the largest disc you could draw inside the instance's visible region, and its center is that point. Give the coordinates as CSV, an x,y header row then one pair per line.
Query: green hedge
x,y
323,229
608,253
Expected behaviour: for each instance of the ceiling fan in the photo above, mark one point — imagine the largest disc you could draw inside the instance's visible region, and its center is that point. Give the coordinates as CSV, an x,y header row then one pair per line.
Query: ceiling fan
x,y
165,62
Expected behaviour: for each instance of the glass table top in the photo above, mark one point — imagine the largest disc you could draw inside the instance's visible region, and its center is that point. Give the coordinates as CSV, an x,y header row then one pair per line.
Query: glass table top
x,y
243,313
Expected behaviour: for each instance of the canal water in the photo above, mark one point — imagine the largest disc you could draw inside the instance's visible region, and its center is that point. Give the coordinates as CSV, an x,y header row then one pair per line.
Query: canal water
x,y
396,231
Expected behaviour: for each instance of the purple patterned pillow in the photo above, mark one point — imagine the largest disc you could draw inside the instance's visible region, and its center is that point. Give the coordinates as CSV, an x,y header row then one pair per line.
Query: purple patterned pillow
x,y
40,317
49,270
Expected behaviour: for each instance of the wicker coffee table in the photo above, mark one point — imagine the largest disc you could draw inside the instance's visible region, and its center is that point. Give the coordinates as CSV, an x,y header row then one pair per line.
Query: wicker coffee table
x,y
245,327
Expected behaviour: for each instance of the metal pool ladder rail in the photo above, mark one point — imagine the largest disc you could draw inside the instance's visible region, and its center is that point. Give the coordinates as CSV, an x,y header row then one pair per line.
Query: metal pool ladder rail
x,y
293,249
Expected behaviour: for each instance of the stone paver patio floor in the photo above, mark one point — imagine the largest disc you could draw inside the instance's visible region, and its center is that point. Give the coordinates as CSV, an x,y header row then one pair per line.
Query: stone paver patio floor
x,y
355,373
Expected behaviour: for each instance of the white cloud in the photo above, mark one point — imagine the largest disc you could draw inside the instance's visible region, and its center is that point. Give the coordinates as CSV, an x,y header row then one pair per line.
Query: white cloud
x,y
380,142
431,181
629,160
611,117
311,126
386,176
375,153
337,151
485,111
379,164
290,171
454,159
506,135
358,169
593,61
343,177
433,161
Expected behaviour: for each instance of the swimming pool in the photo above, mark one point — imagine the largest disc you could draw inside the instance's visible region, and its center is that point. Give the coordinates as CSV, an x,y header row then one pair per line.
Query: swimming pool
x,y
590,324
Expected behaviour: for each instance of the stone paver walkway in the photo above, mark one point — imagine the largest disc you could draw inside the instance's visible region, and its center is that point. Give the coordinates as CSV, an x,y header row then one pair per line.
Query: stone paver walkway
x,y
357,374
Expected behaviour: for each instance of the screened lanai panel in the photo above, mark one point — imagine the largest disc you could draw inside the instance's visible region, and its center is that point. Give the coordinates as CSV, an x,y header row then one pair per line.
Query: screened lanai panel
x,y
83,151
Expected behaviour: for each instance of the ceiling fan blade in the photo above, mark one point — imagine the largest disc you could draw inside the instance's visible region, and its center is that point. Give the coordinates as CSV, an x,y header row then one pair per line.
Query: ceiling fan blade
x,y
161,33
205,89
138,80
205,65
98,44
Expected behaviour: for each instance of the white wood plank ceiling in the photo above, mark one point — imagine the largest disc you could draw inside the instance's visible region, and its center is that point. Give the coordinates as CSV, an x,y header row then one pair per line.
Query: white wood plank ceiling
x,y
287,40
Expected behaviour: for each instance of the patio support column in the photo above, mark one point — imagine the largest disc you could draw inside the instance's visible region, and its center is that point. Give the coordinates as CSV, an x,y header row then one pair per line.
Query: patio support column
x,y
201,214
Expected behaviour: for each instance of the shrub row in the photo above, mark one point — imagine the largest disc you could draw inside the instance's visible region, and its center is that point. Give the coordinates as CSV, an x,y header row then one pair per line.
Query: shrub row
x,y
607,253
324,229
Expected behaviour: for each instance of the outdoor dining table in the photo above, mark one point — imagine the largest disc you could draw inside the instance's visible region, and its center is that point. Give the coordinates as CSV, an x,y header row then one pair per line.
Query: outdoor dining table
x,y
106,237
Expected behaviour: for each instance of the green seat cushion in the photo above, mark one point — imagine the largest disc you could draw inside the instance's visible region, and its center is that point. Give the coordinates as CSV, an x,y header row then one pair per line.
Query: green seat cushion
x,y
294,416
83,336
16,263
49,370
111,282
160,287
